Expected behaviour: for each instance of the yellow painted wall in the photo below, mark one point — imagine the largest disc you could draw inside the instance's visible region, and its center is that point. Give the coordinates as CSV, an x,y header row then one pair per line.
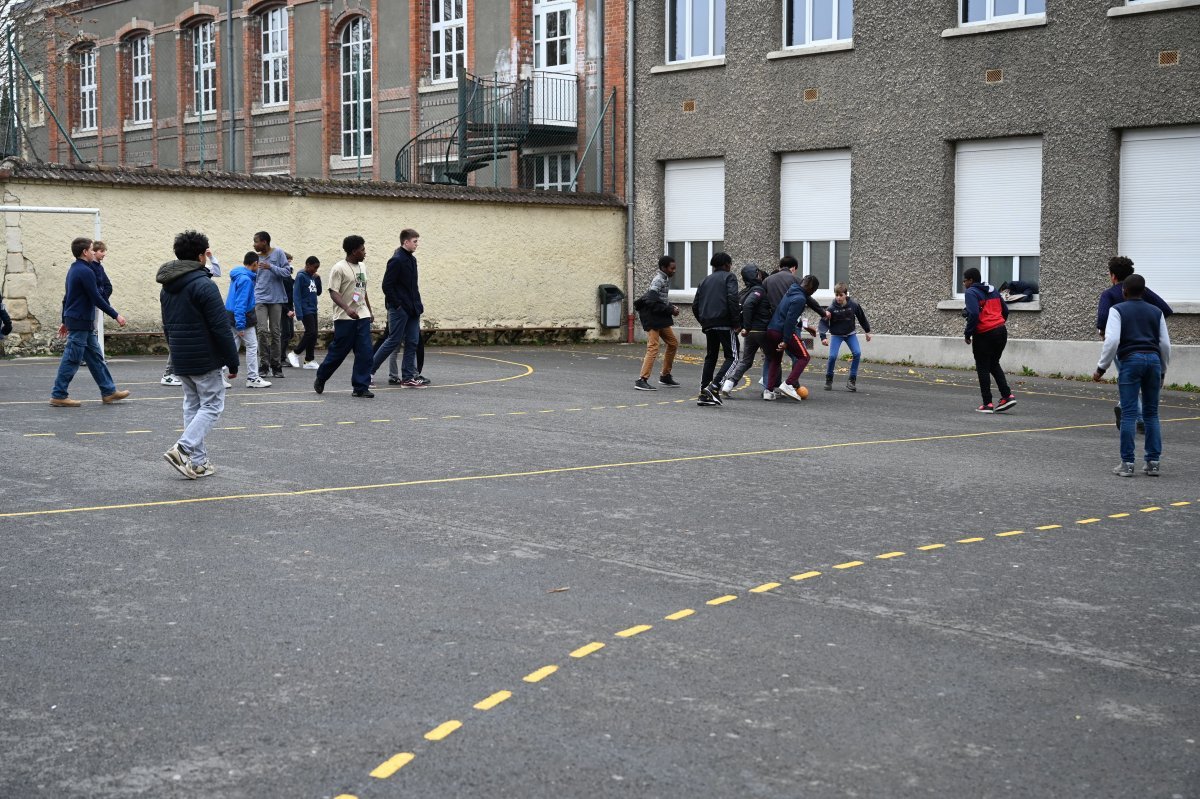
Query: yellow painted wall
x,y
482,264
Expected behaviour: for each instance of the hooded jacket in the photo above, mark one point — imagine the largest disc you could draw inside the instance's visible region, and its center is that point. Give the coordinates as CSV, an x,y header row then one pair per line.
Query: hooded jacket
x,y
985,310
716,304
756,306
240,301
787,315
194,320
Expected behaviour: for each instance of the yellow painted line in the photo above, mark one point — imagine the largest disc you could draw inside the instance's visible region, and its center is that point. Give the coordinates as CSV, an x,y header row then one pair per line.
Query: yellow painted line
x,y
1010,532
345,796
1150,509
665,402
380,421
493,700
587,649
131,432
541,472
485,414
312,424
231,428
517,413
1086,521
1049,527
442,730
451,417
574,409
39,435
540,674
347,422
928,547
850,564
101,433
887,555
632,631
269,426
1117,515
759,589
642,405
598,408
620,406
550,411
285,402
1179,504
679,614
721,600
418,418
805,575
968,540
393,764
678,401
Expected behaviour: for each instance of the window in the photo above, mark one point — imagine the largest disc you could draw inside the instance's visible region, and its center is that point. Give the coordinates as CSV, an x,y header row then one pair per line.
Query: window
x,y
974,11
998,210
140,79
1160,208
204,69
35,109
693,217
814,214
553,34
695,29
448,31
356,89
553,171
85,61
275,57
815,21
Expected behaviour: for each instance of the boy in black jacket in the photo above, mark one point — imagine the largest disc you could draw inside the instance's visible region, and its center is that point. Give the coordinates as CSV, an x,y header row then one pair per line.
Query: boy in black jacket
x,y
719,312
756,315
840,327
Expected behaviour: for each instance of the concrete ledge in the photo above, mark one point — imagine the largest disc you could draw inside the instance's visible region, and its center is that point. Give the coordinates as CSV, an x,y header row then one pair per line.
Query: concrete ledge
x,y
1156,5
814,49
698,63
994,27
957,305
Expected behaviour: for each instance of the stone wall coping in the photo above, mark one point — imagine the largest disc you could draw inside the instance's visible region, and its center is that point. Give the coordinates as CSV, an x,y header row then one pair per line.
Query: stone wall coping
x,y
1153,5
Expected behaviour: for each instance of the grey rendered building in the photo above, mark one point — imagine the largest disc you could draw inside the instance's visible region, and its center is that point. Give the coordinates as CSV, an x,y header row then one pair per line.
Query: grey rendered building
x,y
892,145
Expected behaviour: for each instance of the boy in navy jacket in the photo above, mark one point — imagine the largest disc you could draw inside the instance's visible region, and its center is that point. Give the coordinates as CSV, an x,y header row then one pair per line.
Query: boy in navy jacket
x,y
987,334
304,298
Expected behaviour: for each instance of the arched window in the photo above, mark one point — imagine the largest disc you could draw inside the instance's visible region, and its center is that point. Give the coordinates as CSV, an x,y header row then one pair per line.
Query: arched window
x,y
85,64
356,89
204,69
141,80
274,56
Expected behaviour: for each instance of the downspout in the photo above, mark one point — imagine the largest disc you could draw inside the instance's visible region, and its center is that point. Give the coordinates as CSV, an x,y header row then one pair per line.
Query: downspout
x,y
629,194
599,103
231,160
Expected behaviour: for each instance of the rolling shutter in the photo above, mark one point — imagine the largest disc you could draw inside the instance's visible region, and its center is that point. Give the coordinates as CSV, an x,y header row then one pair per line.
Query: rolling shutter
x,y
814,196
694,200
998,197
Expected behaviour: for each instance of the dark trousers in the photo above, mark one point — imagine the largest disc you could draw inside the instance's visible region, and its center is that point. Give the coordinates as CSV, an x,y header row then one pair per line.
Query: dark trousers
x,y
308,341
718,341
794,347
387,331
287,329
987,349
349,335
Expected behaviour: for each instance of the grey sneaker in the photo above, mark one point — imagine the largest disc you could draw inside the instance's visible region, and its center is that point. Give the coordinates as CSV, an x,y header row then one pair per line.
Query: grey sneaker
x,y
1124,469
828,382
641,385
180,462
1150,469
205,469
852,385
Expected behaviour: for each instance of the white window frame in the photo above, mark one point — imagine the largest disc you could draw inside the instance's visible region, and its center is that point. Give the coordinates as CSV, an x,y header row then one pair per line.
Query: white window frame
x,y
275,85
204,68
1017,236
689,235
448,40
35,111
1026,268
564,167
85,60
357,131
990,14
715,13
563,11
839,9
141,80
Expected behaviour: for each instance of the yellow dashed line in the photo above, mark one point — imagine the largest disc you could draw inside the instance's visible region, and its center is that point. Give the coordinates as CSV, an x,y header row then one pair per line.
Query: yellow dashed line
x,y
313,424
1049,527
598,408
620,406
439,732
345,796
928,547
231,428
574,409
1010,532
131,432
517,413
679,614
1151,509
269,426
587,649
493,700
485,414
805,575
393,764
380,421
721,600
642,405
1117,515
1087,521
888,555
100,433
759,589
632,631
547,411
1179,504
850,564
540,674
451,417
39,435
347,422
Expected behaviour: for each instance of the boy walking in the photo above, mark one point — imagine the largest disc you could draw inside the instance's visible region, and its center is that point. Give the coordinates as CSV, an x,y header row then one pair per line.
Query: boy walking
x,y
987,334
304,297
719,313
402,296
239,307
351,319
657,323
83,298
198,334
1136,333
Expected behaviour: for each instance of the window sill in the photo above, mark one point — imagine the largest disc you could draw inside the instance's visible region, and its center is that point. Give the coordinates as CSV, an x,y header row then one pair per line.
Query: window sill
x,y
815,49
133,127
681,66
431,88
1154,5
196,120
85,134
682,295
957,304
1185,307
259,110
993,27
337,162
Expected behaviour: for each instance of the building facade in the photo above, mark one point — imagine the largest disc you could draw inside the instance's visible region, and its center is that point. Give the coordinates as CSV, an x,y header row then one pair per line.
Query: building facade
x,y
316,88
891,146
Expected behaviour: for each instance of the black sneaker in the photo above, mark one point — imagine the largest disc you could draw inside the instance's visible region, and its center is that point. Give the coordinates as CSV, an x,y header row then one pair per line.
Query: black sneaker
x,y
1006,403
828,383
667,380
277,373
706,399
641,385
852,385
423,380
715,390
318,385
395,381
366,393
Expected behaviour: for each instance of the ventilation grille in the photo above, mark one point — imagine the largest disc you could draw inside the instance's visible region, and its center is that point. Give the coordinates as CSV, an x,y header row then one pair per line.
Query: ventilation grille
x,y
994,76
1168,58
689,106
812,95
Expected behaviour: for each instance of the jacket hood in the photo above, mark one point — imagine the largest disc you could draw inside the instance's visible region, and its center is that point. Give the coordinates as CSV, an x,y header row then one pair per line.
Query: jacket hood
x,y
169,274
750,275
239,271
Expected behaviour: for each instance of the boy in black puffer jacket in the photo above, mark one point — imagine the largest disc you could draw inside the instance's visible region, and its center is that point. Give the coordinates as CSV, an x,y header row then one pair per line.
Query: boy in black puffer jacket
x,y
756,315
719,312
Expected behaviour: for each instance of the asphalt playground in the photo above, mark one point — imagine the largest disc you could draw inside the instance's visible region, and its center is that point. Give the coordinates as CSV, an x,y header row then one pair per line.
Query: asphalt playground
x,y
530,580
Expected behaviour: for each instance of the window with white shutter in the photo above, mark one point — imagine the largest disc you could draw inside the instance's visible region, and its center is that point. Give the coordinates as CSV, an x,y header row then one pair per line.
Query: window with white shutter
x,y
814,214
693,217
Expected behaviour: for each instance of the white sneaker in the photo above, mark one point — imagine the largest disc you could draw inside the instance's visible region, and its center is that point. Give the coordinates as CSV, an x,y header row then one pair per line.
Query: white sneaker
x,y
761,383
726,387
789,391
258,382
311,365
171,380
226,382
294,360
768,395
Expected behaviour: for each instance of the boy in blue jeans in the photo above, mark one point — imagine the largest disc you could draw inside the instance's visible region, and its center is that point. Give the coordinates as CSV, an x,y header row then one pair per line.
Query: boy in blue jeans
x,y
843,313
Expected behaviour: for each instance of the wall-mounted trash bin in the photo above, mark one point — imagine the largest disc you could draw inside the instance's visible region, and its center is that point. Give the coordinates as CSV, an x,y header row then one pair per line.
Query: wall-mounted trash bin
x,y
610,305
